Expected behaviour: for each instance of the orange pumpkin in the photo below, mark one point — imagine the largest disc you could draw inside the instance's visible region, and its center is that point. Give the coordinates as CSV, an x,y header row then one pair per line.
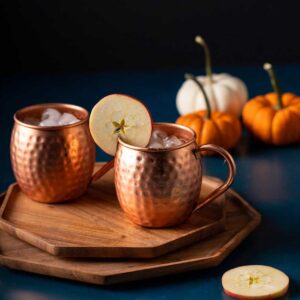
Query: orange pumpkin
x,y
274,118
219,128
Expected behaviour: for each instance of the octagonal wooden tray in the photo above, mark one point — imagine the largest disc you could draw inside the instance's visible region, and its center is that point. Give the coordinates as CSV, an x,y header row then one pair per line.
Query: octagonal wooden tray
x,y
95,226
240,218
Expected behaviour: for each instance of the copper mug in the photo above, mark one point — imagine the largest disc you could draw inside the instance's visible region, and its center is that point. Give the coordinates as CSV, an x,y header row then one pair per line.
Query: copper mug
x,y
52,164
161,187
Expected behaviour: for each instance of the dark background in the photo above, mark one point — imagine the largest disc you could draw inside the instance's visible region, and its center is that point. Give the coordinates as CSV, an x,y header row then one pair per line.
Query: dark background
x,y
92,35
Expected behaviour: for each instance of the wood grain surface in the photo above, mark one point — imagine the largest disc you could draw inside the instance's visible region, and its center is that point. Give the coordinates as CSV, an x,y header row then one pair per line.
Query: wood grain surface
x,y
95,226
240,218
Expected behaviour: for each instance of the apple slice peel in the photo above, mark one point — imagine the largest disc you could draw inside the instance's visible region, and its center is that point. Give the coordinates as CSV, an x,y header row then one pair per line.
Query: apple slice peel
x,y
255,282
121,116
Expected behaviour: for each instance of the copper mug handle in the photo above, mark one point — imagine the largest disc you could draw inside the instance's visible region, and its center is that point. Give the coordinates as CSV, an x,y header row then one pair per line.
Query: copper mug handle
x,y
103,170
231,169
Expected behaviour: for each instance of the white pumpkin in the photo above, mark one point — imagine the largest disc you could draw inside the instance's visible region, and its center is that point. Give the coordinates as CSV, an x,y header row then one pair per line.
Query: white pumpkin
x,y
226,93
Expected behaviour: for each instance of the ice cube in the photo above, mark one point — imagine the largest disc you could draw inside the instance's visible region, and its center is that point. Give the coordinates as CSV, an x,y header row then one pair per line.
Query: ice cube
x,y
159,134
67,118
52,114
52,117
155,140
171,141
156,145
49,122
160,140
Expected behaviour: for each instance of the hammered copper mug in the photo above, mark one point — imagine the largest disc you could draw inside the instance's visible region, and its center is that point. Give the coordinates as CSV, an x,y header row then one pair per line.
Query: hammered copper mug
x,y
52,164
161,187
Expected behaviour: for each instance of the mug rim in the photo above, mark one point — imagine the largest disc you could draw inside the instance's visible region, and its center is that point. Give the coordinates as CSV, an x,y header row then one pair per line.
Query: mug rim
x,y
146,149
17,120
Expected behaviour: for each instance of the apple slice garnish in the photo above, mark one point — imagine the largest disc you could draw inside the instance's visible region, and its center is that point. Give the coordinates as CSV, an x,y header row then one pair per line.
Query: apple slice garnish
x,y
255,282
121,116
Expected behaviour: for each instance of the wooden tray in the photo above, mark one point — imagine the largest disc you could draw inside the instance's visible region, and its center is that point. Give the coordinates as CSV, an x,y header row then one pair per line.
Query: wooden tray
x,y
241,219
95,226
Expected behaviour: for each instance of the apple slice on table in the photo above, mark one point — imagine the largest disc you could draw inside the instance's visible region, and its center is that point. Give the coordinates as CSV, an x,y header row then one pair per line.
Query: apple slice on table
x,y
255,282
121,116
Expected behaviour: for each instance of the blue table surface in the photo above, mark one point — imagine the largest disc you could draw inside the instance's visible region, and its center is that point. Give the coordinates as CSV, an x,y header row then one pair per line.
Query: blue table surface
x,y
268,177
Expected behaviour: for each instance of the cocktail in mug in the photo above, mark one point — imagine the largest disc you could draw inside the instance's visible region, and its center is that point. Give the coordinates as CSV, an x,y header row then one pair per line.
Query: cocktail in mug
x,y
54,161
160,187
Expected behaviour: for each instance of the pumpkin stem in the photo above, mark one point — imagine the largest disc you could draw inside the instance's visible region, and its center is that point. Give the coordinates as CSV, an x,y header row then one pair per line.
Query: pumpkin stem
x,y
199,84
208,68
275,84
